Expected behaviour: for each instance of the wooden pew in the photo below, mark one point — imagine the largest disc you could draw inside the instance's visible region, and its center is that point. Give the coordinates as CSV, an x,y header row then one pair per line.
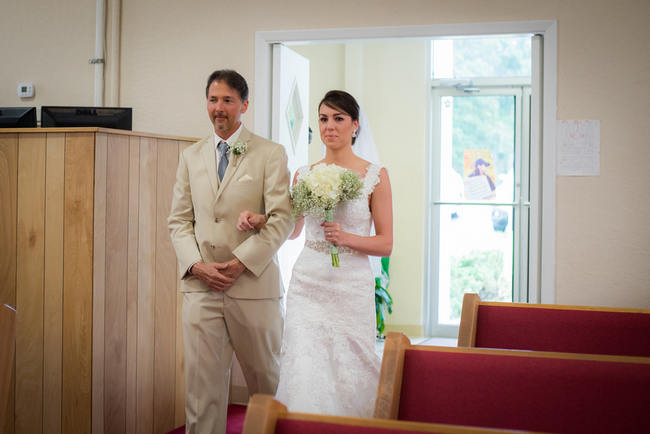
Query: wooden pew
x,y
7,348
265,415
527,390
548,327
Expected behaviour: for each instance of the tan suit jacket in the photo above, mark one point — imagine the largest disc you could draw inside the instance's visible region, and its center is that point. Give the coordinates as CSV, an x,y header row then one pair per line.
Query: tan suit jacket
x,y
204,214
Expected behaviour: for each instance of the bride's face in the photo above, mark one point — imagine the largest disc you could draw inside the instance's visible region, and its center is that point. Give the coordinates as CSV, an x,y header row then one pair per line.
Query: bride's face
x,y
336,127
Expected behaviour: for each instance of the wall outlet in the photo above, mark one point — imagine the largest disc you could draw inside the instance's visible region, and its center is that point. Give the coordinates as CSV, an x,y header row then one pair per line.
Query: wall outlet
x,y
25,90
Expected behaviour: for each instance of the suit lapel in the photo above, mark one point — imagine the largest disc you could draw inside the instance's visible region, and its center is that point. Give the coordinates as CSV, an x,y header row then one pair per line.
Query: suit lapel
x,y
210,159
235,162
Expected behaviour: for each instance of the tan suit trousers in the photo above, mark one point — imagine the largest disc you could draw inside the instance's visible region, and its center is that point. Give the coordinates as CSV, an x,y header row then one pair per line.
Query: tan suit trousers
x,y
213,326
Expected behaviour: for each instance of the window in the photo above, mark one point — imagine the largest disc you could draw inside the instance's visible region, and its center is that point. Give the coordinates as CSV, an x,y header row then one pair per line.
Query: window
x,y
479,221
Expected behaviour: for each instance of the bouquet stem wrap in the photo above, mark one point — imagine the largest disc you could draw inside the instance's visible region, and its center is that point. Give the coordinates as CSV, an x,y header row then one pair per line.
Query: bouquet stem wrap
x,y
329,216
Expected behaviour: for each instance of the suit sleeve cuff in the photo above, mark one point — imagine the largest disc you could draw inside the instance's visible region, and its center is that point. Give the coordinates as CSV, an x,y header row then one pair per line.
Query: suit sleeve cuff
x,y
188,271
246,254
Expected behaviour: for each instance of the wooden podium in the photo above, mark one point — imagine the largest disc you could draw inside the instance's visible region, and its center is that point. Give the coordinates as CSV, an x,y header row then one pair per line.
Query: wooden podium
x,y
87,261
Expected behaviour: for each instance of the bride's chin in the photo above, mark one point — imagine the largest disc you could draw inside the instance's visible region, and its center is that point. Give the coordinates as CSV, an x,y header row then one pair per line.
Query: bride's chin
x,y
336,146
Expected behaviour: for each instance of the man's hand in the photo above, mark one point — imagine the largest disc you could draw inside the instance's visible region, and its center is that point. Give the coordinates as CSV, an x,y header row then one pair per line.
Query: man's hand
x,y
232,269
213,275
249,221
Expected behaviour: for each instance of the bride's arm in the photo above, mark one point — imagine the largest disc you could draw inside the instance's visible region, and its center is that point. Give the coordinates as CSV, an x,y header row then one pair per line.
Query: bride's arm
x,y
300,223
381,208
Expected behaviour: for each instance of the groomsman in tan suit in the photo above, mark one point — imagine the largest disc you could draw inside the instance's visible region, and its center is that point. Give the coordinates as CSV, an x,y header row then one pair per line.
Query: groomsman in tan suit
x,y
230,279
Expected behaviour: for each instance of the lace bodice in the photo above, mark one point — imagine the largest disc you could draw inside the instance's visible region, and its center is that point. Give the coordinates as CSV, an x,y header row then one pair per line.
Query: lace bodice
x,y
353,216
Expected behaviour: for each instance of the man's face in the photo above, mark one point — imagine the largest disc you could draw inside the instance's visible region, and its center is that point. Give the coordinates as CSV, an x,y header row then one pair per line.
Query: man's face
x,y
225,108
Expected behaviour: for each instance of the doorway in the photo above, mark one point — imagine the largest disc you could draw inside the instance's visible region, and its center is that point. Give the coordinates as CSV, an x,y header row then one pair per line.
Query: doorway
x,y
418,293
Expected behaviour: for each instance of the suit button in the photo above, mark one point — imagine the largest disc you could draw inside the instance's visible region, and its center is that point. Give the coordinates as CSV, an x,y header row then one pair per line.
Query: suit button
x,y
216,219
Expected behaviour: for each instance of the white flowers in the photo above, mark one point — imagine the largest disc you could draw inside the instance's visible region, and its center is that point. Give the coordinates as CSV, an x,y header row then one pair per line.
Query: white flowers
x,y
320,190
323,187
239,147
325,181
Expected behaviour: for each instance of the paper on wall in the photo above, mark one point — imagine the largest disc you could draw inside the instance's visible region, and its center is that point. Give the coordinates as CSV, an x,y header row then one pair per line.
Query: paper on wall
x,y
578,148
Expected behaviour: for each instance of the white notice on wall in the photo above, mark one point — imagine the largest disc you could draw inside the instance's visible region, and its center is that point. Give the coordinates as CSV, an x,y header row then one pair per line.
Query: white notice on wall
x,y
578,148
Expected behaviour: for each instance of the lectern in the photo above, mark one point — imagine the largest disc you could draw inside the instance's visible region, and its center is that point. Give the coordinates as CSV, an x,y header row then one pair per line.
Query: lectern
x,y
86,259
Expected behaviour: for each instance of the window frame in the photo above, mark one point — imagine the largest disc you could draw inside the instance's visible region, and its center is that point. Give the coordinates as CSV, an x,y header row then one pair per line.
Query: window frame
x,y
525,254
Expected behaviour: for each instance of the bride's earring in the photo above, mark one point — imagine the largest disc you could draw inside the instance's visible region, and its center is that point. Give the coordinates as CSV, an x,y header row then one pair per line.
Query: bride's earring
x,y
354,134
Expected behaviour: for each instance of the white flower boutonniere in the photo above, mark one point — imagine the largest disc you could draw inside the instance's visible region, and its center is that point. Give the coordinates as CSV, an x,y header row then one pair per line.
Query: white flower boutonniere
x,y
239,147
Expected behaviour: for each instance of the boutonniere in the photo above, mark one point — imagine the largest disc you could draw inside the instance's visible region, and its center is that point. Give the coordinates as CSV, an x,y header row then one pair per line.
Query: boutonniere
x,y
239,147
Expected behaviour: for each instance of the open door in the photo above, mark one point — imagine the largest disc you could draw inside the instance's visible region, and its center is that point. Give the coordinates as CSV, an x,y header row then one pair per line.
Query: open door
x,y
290,127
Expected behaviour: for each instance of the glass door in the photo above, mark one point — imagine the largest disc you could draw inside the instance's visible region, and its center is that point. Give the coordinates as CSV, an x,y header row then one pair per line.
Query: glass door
x,y
480,197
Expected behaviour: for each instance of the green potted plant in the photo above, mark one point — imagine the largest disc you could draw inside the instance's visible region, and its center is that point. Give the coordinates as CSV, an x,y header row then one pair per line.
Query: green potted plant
x,y
383,300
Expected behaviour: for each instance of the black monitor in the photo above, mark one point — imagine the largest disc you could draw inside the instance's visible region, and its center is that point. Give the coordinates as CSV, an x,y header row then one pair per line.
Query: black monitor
x,y
108,117
17,117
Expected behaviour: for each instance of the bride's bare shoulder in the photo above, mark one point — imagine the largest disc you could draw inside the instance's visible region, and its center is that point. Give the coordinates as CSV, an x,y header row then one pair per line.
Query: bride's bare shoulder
x,y
316,163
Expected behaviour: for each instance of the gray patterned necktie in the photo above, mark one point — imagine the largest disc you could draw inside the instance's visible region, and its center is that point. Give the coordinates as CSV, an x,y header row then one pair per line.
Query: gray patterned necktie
x,y
223,161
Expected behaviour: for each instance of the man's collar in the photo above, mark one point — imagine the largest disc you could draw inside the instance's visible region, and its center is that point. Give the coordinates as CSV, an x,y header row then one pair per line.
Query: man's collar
x,y
230,140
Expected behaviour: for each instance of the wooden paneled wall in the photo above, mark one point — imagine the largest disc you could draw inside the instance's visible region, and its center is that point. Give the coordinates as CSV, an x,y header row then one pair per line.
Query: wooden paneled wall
x,y
87,261
8,192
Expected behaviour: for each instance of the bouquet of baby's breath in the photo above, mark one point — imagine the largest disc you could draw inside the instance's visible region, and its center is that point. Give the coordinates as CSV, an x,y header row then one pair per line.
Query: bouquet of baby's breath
x,y
320,190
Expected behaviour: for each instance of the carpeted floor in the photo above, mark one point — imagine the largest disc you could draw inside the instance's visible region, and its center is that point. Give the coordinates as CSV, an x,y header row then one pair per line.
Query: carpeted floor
x,y
235,424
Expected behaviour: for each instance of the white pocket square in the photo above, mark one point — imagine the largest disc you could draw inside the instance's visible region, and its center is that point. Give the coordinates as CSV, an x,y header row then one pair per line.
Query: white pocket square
x,y
245,178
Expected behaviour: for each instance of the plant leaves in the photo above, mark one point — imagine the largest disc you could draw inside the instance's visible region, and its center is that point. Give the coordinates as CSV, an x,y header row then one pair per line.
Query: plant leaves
x,y
383,299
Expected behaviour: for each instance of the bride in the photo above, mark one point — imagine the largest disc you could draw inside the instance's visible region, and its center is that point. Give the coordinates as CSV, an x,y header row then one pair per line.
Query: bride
x,y
328,362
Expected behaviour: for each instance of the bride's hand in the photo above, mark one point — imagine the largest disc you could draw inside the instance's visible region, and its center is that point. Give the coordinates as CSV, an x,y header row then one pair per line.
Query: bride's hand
x,y
248,221
333,233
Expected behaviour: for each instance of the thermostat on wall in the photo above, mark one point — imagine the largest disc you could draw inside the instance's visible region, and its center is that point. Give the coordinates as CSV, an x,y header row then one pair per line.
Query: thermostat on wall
x,y
25,90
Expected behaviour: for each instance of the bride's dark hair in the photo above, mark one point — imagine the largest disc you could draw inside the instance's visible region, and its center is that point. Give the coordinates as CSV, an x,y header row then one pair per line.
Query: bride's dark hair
x,y
341,100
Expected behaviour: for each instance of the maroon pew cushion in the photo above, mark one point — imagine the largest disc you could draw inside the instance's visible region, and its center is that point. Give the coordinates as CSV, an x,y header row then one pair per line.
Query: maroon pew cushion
x,y
290,426
559,330
540,394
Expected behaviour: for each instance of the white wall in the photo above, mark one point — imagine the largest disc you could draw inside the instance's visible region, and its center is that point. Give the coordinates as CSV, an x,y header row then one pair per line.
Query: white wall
x,y
169,48
42,43
396,97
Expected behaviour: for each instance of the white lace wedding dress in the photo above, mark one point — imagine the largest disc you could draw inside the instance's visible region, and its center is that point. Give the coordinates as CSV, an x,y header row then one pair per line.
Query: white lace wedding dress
x,y
328,361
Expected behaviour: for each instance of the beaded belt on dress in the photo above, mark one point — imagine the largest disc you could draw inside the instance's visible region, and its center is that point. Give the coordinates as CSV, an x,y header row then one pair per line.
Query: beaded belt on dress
x,y
324,246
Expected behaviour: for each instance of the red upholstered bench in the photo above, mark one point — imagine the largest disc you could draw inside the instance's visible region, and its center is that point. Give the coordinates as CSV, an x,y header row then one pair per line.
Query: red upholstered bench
x,y
526,390
547,327
266,415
